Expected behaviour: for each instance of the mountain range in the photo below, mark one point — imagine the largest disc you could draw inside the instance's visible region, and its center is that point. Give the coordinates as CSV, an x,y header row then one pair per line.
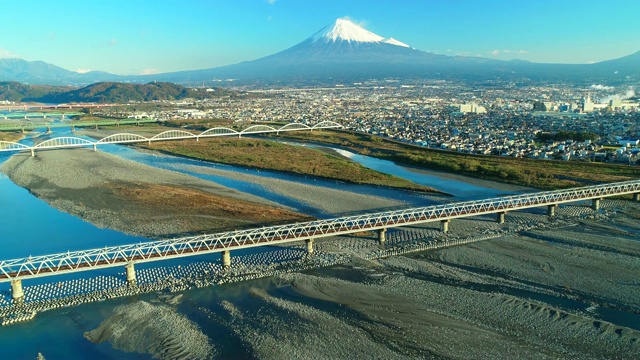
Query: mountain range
x,y
343,52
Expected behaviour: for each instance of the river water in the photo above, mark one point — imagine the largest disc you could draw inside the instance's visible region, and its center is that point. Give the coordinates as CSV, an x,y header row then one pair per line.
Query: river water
x,y
29,226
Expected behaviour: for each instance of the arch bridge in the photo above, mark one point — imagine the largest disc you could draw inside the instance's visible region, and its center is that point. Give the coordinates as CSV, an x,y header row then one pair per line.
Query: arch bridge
x,y
16,270
175,134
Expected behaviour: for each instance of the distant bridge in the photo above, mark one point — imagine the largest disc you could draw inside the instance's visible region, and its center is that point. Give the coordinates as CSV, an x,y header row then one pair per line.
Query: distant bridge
x,y
26,107
24,126
128,138
127,255
43,115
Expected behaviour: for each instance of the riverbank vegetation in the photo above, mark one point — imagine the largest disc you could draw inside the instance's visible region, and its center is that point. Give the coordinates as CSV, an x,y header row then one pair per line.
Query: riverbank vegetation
x,y
11,136
271,155
542,174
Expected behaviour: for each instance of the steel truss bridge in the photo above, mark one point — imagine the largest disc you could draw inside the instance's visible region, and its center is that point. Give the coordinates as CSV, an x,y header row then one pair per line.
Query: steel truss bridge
x,y
73,261
128,138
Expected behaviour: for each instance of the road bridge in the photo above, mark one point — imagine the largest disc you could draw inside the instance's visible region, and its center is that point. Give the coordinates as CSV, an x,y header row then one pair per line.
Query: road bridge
x,y
25,126
26,107
38,115
16,270
177,134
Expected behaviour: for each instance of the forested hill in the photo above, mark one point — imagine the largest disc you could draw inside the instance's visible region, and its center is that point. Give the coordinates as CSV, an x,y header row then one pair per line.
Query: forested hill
x,y
115,92
104,92
15,91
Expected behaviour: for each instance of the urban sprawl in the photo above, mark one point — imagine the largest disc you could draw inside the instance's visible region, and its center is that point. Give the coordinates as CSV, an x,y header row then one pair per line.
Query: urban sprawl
x,y
594,123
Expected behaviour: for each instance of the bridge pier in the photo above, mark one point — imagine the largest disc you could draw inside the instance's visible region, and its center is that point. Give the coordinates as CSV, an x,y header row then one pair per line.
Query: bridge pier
x,y
500,217
226,259
382,236
309,246
17,294
95,147
636,197
131,274
444,226
595,204
551,210
33,153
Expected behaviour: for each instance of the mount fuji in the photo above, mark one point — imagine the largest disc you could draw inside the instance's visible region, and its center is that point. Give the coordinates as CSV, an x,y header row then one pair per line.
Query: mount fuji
x,y
345,52
342,51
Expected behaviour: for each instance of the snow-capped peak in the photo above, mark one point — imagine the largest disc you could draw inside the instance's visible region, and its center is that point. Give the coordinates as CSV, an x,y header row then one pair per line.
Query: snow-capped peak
x,y
393,41
345,30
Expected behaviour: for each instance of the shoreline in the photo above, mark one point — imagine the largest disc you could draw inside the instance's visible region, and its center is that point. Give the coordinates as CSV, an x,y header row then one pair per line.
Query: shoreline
x,y
431,191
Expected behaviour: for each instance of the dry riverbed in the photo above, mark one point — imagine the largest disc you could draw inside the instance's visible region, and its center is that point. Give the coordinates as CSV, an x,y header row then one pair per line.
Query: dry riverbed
x,y
143,200
136,198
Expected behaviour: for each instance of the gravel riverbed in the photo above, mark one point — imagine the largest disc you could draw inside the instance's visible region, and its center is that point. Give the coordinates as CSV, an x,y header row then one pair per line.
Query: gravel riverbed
x,y
534,287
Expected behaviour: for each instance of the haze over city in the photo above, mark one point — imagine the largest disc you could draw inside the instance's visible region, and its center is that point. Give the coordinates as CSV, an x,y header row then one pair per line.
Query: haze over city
x,y
145,37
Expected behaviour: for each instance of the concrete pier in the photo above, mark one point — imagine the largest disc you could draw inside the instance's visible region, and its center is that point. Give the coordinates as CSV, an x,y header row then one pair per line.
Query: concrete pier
x,y
131,274
551,210
382,236
500,217
595,204
16,292
636,197
226,259
444,225
309,246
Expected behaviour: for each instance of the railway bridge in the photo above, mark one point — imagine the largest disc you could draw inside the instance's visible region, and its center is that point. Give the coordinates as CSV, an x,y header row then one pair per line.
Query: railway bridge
x,y
17,270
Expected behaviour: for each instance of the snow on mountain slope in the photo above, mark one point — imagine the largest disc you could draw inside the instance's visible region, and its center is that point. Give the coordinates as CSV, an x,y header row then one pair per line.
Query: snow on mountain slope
x,y
345,30
393,41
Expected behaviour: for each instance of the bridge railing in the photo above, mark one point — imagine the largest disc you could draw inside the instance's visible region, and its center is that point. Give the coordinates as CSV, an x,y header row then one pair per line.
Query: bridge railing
x,y
45,265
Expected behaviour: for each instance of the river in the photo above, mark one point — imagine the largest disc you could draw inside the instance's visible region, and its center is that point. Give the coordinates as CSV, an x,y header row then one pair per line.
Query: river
x,y
29,226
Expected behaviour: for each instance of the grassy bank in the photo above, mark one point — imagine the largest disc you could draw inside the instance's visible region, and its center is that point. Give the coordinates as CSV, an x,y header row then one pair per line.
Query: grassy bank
x,y
270,155
542,174
11,136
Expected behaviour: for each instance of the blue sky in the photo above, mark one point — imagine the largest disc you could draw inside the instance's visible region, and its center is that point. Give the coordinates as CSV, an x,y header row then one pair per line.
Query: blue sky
x,y
140,36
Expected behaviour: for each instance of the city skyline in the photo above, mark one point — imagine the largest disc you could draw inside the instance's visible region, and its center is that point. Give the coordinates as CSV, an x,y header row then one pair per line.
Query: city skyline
x,y
145,37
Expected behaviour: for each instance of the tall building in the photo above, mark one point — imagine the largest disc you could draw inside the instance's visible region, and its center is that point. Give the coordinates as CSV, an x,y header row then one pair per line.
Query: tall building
x,y
587,104
472,108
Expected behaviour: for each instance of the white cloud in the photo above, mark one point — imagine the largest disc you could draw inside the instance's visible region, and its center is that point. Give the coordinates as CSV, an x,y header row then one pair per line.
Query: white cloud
x,y
149,71
495,52
82,71
4,53
112,42
271,2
